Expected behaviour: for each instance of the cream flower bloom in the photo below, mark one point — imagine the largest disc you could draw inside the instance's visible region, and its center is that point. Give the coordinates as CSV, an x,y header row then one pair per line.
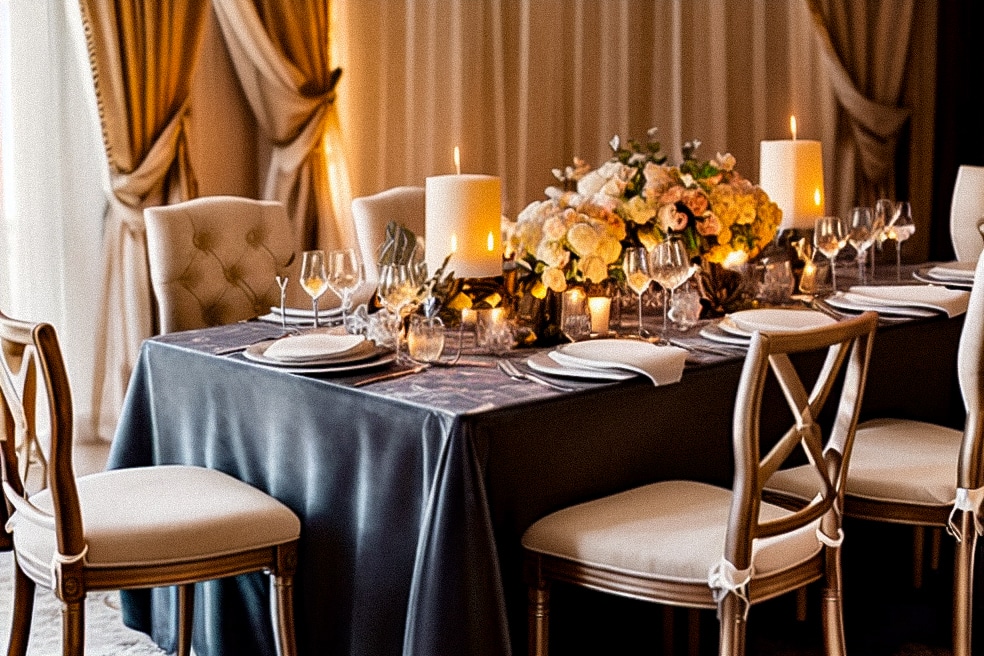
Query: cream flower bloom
x,y
554,279
553,254
583,239
594,269
638,210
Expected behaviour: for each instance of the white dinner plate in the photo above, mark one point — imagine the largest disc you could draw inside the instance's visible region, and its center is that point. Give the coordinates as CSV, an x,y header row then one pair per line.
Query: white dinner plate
x,y
745,322
854,303
931,297
661,364
317,345
922,275
713,332
306,313
341,369
370,353
543,363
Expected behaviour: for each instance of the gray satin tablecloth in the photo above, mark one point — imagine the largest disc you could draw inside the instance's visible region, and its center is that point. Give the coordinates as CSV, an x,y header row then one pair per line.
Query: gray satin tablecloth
x,y
413,493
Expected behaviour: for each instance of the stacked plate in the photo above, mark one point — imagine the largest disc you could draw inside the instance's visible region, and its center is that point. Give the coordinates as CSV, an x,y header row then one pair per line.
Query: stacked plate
x,y
959,275
301,316
902,300
319,352
612,359
737,328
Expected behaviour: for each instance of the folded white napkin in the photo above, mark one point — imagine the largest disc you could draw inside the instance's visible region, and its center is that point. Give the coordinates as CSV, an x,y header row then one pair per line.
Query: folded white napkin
x,y
952,301
661,364
314,346
778,320
961,271
305,313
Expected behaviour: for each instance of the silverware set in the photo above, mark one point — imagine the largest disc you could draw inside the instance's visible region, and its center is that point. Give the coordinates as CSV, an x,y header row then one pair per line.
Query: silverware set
x,y
510,369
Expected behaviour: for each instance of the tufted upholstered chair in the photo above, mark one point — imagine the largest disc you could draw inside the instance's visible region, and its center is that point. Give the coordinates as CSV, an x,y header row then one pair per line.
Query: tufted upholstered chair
x,y
371,215
127,528
691,544
213,260
912,472
967,213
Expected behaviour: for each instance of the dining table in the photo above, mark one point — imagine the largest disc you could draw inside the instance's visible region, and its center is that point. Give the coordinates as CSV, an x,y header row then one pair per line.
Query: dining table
x,y
414,491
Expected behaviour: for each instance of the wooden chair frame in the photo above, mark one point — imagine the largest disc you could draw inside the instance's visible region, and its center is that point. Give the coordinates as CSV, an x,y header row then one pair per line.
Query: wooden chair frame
x,y
848,344
36,343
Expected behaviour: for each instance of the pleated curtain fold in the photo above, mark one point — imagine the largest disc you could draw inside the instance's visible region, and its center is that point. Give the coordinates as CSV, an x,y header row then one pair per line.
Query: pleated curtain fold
x,y
142,54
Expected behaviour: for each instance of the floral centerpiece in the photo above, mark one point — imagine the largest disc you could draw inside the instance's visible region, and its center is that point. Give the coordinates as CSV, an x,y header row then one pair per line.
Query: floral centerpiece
x,y
577,234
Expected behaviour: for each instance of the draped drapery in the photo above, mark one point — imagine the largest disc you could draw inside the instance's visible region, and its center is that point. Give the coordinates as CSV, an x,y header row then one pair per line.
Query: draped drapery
x,y
142,56
865,49
280,51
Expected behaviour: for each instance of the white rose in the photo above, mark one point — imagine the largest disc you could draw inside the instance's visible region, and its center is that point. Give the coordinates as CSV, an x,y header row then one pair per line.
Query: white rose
x,y
553,254
594,268
554,279
554,228
583,239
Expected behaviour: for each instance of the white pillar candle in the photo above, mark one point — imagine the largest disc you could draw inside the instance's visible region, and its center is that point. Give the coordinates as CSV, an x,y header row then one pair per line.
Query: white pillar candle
x,y
600,308
463,216
791,172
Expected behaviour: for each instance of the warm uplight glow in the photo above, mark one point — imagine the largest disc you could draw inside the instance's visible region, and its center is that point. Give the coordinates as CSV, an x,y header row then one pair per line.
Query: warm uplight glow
x,y
457,160
792,126
454,243
817,200
735,259
491,241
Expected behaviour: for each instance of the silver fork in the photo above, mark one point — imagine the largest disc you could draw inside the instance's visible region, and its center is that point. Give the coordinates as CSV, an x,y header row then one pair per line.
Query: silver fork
x,y
513,372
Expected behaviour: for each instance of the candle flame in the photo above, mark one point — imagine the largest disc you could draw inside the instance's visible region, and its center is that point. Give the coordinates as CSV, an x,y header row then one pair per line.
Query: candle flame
x,y
792,126
735,259
454,243
816,196
457,160
491,242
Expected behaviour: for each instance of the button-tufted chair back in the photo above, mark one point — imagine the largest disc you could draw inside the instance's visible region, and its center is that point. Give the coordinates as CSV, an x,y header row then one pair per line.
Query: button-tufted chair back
x,y
372,213
213,260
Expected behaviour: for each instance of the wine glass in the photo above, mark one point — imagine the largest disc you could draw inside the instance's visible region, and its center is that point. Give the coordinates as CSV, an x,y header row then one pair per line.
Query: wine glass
x,y
636,267
860,234
398,290
670,267
884,208
314,278
829,239
344,276
901,228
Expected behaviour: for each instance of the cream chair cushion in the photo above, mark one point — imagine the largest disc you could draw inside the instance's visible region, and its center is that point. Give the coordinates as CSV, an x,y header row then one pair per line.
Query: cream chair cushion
x,y
966,213
372,214
672,530
214,260
205,513
896,460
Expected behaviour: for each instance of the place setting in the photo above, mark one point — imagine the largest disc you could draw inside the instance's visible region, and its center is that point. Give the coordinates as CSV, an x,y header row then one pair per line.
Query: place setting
x,y
957,275
736,328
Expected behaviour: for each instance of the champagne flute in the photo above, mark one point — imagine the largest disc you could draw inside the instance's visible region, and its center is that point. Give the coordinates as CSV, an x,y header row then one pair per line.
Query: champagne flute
x,y
635,265
670,267
314,278
860,234
398,289
884,208
829,239
344,276
901,228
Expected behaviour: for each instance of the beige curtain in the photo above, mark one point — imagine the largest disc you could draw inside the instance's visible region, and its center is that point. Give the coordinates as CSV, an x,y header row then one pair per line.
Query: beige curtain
x,y
142,53
522,87
879,66
280,50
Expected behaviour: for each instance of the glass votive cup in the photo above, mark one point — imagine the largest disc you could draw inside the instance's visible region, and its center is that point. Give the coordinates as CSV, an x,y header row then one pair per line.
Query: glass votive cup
x,y
685,308
425,338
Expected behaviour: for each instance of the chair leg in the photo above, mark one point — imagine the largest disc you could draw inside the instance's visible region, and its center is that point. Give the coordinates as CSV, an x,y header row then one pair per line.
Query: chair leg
x,y
832,613
918,548
282,603
186,615
20,623
693,632
936,537
963,585
732,640
539,618
73,627
669,615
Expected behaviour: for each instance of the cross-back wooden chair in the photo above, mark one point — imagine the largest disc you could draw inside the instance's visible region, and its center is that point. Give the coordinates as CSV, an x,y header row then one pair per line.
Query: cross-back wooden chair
x,y
687,543
129,528
921,474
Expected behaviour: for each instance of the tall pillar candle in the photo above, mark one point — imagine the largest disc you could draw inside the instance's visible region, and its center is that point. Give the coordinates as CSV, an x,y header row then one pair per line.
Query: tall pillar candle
x,y
791,172
463,216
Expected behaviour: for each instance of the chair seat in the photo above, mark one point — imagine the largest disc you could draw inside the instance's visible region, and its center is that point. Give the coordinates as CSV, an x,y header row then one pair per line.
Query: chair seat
x,y
162,515
672,530
894,460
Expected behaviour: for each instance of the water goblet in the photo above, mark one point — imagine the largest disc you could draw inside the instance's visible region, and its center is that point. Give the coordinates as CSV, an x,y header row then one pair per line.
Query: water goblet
x,y
860,234
901,228
829,239
884,208
344,276
635,265
670,267
398,291
314,278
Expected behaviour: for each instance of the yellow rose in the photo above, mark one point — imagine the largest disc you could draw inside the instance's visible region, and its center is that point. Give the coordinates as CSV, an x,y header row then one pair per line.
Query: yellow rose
x,y
638,211
554,279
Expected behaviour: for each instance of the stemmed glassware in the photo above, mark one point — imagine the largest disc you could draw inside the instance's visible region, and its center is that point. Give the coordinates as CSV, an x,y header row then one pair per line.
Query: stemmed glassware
x,y
670,267
399,288
344,276
901,228
314,278
884,208
635,265
861,235
829,239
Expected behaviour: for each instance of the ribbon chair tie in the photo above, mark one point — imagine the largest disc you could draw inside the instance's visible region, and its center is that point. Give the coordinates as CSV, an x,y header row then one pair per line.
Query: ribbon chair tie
x,y
724,578
969,501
